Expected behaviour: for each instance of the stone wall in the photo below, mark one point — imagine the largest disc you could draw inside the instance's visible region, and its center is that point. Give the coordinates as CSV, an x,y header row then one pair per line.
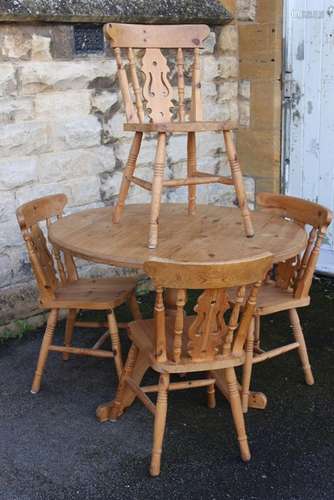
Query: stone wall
x,y
61,131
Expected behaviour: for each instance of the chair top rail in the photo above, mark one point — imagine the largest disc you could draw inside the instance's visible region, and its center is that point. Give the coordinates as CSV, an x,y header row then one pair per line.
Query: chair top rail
x,y
40,209
191,275
304,211
142,36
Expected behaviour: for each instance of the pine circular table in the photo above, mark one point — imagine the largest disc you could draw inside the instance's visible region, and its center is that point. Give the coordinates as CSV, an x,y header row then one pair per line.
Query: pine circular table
x,y
213,234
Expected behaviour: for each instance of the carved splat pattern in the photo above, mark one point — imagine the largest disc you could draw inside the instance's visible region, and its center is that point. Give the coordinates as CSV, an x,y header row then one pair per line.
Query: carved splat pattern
x,y
207,332
286,273
43,254
157,90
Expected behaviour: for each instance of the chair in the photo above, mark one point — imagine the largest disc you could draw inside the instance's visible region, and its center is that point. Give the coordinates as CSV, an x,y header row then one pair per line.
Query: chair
x,y
160,105
287,287
200,343
64,290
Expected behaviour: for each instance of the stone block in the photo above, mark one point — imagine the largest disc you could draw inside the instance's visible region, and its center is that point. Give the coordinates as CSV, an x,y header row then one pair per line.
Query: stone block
x,y
40,48
113,128
146,155
63,105
23,139
84,190
82,132
71,164
222,111
244,113
177,148
227,90
39,77
15,45
210,145
37,190
246,9
228,67
102,102
209,44
15,173
245,89
10,235
269,12
208,89
8,83
228,39
210,69
110,183
16,109
7,206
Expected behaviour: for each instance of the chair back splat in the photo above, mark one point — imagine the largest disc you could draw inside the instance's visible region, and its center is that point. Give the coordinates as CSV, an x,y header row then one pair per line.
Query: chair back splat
x,y
49,266
297,273
208,337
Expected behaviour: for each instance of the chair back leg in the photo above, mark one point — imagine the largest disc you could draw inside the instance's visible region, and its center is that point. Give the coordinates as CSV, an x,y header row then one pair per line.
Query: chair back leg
x,y
134,307
127,176
237,414
71,317
238,183
159,424
247,368
159,167
302,350
191,171
118,403
44,351
211,395
115,342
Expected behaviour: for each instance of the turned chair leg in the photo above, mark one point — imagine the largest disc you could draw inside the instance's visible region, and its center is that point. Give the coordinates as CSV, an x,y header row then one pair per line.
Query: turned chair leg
x,y
159,166
247,368
238,416
134,307
159,424
257,335
191,171
115,342
118,403
44,351
127,176
72,314
238,183
211,396
302,350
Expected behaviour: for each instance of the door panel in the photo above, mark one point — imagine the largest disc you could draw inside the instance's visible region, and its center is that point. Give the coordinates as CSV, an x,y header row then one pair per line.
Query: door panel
x,y
308,163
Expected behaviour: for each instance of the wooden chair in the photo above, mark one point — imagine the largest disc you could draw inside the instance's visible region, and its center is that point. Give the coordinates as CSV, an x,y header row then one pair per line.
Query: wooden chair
x,y
64,290
287,287
157,103
200,343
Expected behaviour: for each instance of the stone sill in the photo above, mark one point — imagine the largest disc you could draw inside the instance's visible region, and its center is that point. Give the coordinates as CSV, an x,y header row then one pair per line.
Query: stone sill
x,y
101,11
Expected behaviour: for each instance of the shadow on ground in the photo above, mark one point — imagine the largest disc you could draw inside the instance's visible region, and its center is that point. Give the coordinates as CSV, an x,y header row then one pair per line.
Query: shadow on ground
x,y
51,446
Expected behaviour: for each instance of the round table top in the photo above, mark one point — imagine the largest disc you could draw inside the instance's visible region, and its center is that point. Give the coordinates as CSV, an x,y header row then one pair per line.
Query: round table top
x,y
213,234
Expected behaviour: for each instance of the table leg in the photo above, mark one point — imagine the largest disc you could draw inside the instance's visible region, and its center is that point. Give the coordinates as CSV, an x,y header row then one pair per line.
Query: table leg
x,y
103,411
256,400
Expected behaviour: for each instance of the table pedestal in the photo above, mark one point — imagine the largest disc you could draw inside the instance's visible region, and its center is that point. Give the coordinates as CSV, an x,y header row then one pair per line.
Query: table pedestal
x,y
256,400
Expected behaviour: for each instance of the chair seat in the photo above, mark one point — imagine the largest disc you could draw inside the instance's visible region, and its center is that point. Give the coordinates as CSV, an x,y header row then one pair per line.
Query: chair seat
x,y
180,127
273,299
142,333
106,293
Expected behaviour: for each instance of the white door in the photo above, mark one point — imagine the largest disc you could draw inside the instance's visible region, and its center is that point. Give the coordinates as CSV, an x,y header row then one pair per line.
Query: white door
x,y
308,131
